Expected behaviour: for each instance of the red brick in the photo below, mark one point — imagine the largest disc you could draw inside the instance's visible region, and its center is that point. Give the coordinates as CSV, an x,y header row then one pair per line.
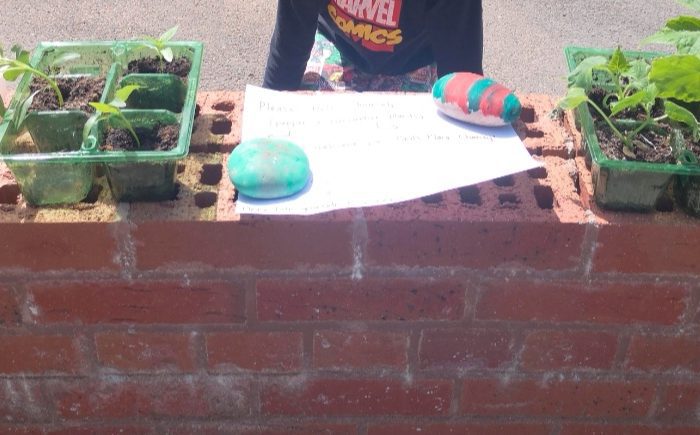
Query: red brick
x,y
500,397
21,400
551,350
9,309
632,429
58,246
465,349
291,427
573,302
647,248
110,399
304,429
365,299
144,351
20,430
39,354
537,245
461,429
662,353
256,351
136,302
358,350
260,243
102,430
679,402
348,397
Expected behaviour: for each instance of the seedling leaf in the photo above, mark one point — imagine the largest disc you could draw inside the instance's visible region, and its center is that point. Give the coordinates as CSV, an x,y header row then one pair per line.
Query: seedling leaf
x,y
582,75
11,74
685,41
677,77
168,34
24,110
574,98
618,63
167,54
2,107
627,102
684,22
104,108
123,94
638,74
20,54
684,116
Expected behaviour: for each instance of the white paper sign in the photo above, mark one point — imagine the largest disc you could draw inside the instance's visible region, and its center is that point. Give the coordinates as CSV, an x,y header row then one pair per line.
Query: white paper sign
x,y
369,149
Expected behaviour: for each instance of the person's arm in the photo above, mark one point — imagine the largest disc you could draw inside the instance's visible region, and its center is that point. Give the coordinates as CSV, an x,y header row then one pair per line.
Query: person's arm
x,y
456,32
291,43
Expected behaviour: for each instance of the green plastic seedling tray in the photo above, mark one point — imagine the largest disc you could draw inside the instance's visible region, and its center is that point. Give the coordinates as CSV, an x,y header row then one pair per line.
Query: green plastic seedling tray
x,y
136,177
622,184
47,176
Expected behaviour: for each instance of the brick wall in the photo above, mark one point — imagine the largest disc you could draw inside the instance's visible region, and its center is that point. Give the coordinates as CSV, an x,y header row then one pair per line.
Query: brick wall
x,y
444,315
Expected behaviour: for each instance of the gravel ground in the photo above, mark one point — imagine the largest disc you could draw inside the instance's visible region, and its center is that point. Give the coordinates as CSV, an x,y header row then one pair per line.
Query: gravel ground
x,y
523,43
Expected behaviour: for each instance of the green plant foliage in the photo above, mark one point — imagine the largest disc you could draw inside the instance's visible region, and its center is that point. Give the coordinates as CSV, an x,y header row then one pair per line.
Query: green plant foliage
x,y
683,31
21,115
684,116
677,76
645,97
692,4
582,75
159,44
12,69
105,111
618,64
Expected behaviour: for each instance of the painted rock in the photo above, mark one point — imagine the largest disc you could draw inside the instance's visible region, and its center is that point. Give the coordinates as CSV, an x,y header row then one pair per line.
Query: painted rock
x,y
476,99
268,168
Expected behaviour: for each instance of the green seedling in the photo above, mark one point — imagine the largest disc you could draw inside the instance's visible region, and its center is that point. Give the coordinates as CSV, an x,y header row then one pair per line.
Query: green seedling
x,y
628,87
682,31
624,78
12,69
678,75
23,111
158,44
646,98
105,111
2,108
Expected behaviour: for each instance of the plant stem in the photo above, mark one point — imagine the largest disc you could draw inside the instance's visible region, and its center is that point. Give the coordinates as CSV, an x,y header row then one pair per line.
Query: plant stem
x,y
130,128
51,83
614,129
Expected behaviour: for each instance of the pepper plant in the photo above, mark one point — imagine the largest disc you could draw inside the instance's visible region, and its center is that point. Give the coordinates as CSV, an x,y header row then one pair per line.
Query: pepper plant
x,y
158,44
105,111
12,69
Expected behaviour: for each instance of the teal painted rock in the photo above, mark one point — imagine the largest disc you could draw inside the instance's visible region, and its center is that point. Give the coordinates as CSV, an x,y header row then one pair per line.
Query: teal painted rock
x,y
268,168
476,99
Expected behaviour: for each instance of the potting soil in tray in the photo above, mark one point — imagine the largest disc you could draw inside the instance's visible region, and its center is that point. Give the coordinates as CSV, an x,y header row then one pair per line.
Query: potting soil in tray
x,y
159,138
77,93
179,66
650,146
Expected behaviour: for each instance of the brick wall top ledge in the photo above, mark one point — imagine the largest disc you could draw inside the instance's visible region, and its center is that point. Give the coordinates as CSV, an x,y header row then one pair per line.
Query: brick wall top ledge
x,y
543,219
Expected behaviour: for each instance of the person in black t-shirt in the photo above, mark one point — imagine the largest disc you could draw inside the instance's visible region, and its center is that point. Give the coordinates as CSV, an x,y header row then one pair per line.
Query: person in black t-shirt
x,y
387,37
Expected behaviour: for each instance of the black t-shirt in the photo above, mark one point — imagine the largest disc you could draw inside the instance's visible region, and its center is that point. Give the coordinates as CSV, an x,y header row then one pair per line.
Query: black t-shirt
x,y
378,36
